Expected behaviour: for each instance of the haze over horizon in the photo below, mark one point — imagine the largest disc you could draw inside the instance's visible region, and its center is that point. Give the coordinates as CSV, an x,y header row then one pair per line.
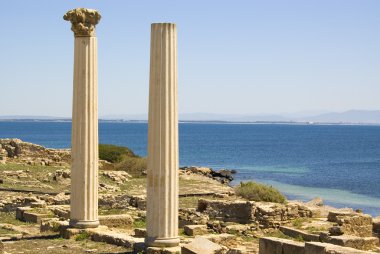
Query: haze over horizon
x,y
246,58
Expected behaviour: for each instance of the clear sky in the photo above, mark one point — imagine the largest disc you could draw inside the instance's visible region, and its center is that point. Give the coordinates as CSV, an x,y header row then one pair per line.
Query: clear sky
x,y
235,57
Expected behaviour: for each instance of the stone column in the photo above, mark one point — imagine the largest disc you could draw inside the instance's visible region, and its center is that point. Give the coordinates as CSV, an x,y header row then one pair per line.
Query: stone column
x,y
84,151
162,186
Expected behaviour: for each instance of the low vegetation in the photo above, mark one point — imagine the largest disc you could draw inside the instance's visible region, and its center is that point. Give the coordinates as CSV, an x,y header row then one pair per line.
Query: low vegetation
x,y
114,154
259,192
123,159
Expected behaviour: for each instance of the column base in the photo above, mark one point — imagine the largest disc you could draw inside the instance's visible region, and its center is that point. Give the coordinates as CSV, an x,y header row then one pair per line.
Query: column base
x,y
161,242
84,223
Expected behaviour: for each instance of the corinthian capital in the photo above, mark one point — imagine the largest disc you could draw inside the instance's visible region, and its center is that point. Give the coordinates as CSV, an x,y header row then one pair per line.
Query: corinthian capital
x,y
83,21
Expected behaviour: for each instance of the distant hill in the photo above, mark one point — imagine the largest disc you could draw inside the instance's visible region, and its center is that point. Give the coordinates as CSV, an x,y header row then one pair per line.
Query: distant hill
x,y
351,116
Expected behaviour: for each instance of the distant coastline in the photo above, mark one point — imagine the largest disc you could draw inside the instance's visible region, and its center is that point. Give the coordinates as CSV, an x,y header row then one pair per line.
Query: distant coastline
x,y
196,122
350,117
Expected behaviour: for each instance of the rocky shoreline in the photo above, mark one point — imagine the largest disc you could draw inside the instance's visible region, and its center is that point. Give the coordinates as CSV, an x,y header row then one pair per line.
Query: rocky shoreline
x,y
34,188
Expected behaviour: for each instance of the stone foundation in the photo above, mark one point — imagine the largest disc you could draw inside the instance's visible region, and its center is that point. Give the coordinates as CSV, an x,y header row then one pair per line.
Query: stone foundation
x,y
268,215
272,245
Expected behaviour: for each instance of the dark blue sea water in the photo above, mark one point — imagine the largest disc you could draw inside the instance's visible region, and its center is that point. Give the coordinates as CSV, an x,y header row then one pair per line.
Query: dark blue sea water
x,y
340,163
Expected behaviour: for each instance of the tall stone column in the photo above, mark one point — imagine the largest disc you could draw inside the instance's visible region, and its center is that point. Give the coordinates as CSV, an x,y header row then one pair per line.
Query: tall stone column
x,y
162,186
84,151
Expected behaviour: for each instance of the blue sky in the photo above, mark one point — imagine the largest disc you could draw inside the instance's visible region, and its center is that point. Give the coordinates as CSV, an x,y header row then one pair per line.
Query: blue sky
x,y
235,57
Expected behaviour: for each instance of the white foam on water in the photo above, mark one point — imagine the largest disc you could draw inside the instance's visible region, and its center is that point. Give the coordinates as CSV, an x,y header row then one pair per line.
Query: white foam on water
x,y
330,195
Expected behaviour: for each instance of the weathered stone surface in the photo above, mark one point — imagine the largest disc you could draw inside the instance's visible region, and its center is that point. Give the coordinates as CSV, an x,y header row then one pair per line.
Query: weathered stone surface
x,y
117,176
237,211
20,212
53,224
116,220
191,217
39,204
238,250
271,245
62,211
194,230
85,136
315,202
162,164
108,188
140,232
268,215
376,225
237,228
83,21
296,233
32,154
326,248
157,250
361,243
201,245
355,224
111,237
33,217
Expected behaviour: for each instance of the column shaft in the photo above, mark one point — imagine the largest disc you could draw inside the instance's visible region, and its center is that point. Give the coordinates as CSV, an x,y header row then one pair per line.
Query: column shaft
x,y
162,184
84,171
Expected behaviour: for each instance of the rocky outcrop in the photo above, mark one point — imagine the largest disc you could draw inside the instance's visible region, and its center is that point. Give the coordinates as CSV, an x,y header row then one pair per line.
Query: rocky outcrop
x,y
32,154
224,176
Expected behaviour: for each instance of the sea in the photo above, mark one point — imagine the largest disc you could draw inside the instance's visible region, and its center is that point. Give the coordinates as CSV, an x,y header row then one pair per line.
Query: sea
x,y
338,163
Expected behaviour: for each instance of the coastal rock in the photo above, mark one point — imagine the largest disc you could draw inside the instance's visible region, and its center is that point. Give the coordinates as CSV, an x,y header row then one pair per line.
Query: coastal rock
x,y
223,176
315,202
376,225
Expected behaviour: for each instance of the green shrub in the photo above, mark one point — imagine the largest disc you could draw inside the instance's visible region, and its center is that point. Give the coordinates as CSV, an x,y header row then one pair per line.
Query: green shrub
x,y
136,166
82,236
259,192
114,154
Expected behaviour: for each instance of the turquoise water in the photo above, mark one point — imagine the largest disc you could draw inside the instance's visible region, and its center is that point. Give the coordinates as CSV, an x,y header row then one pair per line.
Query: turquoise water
x,y
339,163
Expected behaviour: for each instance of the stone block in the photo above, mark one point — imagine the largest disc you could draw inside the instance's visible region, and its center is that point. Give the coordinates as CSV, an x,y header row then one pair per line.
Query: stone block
x,y
115,220
156,250
201,245
33,217
140,232
269,245
333,215
272,245
193,230
40,204
115,238
360,243
69,233
20,212
292,247
238,250
295,233
237,228
326,248
53,224
237,211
